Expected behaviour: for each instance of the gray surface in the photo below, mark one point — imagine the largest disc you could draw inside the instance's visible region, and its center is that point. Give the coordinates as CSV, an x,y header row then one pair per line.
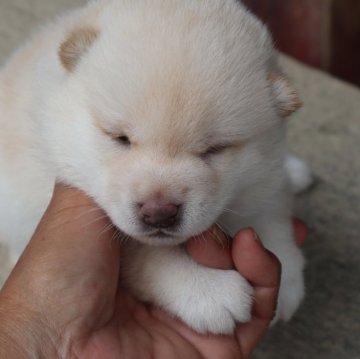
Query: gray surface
x,y
327,133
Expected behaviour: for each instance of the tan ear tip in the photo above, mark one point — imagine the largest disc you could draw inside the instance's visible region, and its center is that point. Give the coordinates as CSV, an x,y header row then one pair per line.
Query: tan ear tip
x,y
286,98
291,106
75,45
66,56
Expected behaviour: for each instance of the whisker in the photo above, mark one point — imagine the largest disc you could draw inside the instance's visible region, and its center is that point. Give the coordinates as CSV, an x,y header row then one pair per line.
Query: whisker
x,y
98,219
91,210
106,229
217,237
224,228
117,235
203,237
231,211
77,217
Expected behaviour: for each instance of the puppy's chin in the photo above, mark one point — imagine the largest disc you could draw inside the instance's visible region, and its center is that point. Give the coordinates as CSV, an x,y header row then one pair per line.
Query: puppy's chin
x,y
161,238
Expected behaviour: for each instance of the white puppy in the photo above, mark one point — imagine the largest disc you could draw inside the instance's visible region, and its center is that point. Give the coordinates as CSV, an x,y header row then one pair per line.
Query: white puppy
x,y
170,114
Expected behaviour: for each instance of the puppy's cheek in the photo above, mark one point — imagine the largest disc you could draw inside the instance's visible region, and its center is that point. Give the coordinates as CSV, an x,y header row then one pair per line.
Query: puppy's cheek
x,y
116,204
201,212
123,219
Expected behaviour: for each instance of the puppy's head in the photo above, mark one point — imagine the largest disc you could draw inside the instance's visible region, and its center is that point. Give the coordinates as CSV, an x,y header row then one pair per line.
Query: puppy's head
x,y
165,113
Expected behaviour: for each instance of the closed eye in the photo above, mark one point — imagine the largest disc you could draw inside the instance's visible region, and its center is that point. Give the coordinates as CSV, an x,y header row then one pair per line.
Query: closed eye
x,y
214,150
119,136
123,140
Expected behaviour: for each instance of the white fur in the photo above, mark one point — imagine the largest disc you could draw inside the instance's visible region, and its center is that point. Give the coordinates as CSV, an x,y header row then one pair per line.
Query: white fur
x,y
176,77
299,173
209,300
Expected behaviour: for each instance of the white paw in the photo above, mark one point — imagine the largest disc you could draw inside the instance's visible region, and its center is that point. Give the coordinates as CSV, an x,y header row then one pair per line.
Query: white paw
x,y
218,301
299,173
291,294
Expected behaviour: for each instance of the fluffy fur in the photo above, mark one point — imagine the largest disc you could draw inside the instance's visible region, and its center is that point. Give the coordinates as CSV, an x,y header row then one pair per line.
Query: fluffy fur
x,y
194,86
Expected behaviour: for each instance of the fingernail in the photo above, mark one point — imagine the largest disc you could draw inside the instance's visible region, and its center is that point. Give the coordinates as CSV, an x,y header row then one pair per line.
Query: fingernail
x,y
255,236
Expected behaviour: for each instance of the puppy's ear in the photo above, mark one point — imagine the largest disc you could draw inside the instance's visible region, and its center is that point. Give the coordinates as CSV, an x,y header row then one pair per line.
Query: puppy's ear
x,y
76,45
286,98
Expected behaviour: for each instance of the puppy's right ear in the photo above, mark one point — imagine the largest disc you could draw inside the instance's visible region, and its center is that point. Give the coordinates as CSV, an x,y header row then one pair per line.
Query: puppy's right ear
x,y
76,45
286,98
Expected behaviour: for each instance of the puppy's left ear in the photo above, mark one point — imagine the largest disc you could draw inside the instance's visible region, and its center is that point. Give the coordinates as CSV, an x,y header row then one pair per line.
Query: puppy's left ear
x,y
76,45
286,98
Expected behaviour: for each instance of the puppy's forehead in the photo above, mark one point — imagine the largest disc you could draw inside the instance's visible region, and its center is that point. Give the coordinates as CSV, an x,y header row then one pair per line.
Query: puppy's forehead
x,y
182,106
185,81
176,114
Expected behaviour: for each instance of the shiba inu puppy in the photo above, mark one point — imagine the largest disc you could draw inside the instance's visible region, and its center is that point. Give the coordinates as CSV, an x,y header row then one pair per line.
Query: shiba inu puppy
x,y
170,114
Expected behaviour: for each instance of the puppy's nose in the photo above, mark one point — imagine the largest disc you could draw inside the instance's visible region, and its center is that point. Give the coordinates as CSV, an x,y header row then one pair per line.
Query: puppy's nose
x,y
159,215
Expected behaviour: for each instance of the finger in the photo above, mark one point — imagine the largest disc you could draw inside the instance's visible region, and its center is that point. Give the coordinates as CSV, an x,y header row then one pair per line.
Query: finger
x,y
301,231
211,249
262,269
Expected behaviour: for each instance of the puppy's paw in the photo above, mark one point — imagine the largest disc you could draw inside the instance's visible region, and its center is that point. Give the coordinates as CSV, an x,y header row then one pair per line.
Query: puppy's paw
x,y
299,174
218,301
291,294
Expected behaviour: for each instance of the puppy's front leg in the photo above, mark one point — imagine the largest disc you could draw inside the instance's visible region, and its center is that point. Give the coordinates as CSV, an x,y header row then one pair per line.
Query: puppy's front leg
x,y
208,300
276,232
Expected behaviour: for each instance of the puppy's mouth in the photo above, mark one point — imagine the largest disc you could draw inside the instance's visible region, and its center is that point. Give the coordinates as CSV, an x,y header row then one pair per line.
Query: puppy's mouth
x,y
161,237
160,234
163,234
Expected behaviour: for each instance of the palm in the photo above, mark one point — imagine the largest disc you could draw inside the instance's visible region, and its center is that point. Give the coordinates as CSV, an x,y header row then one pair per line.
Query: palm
x,y
135,330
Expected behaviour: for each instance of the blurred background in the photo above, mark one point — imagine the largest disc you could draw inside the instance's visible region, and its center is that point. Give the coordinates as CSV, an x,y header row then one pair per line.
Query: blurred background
x,y
321,33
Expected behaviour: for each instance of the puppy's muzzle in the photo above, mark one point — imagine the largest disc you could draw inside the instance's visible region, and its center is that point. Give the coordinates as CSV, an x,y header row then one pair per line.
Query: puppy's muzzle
x,y
158,214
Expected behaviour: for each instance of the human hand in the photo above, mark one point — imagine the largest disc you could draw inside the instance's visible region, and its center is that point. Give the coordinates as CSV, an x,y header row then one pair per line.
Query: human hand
x,y
63,298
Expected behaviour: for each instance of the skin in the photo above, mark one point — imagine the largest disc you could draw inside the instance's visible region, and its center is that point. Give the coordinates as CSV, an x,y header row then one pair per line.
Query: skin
x,y
63,299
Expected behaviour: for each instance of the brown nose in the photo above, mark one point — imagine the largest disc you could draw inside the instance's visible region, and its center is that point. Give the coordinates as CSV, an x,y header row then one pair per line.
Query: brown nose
x,y
159,215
